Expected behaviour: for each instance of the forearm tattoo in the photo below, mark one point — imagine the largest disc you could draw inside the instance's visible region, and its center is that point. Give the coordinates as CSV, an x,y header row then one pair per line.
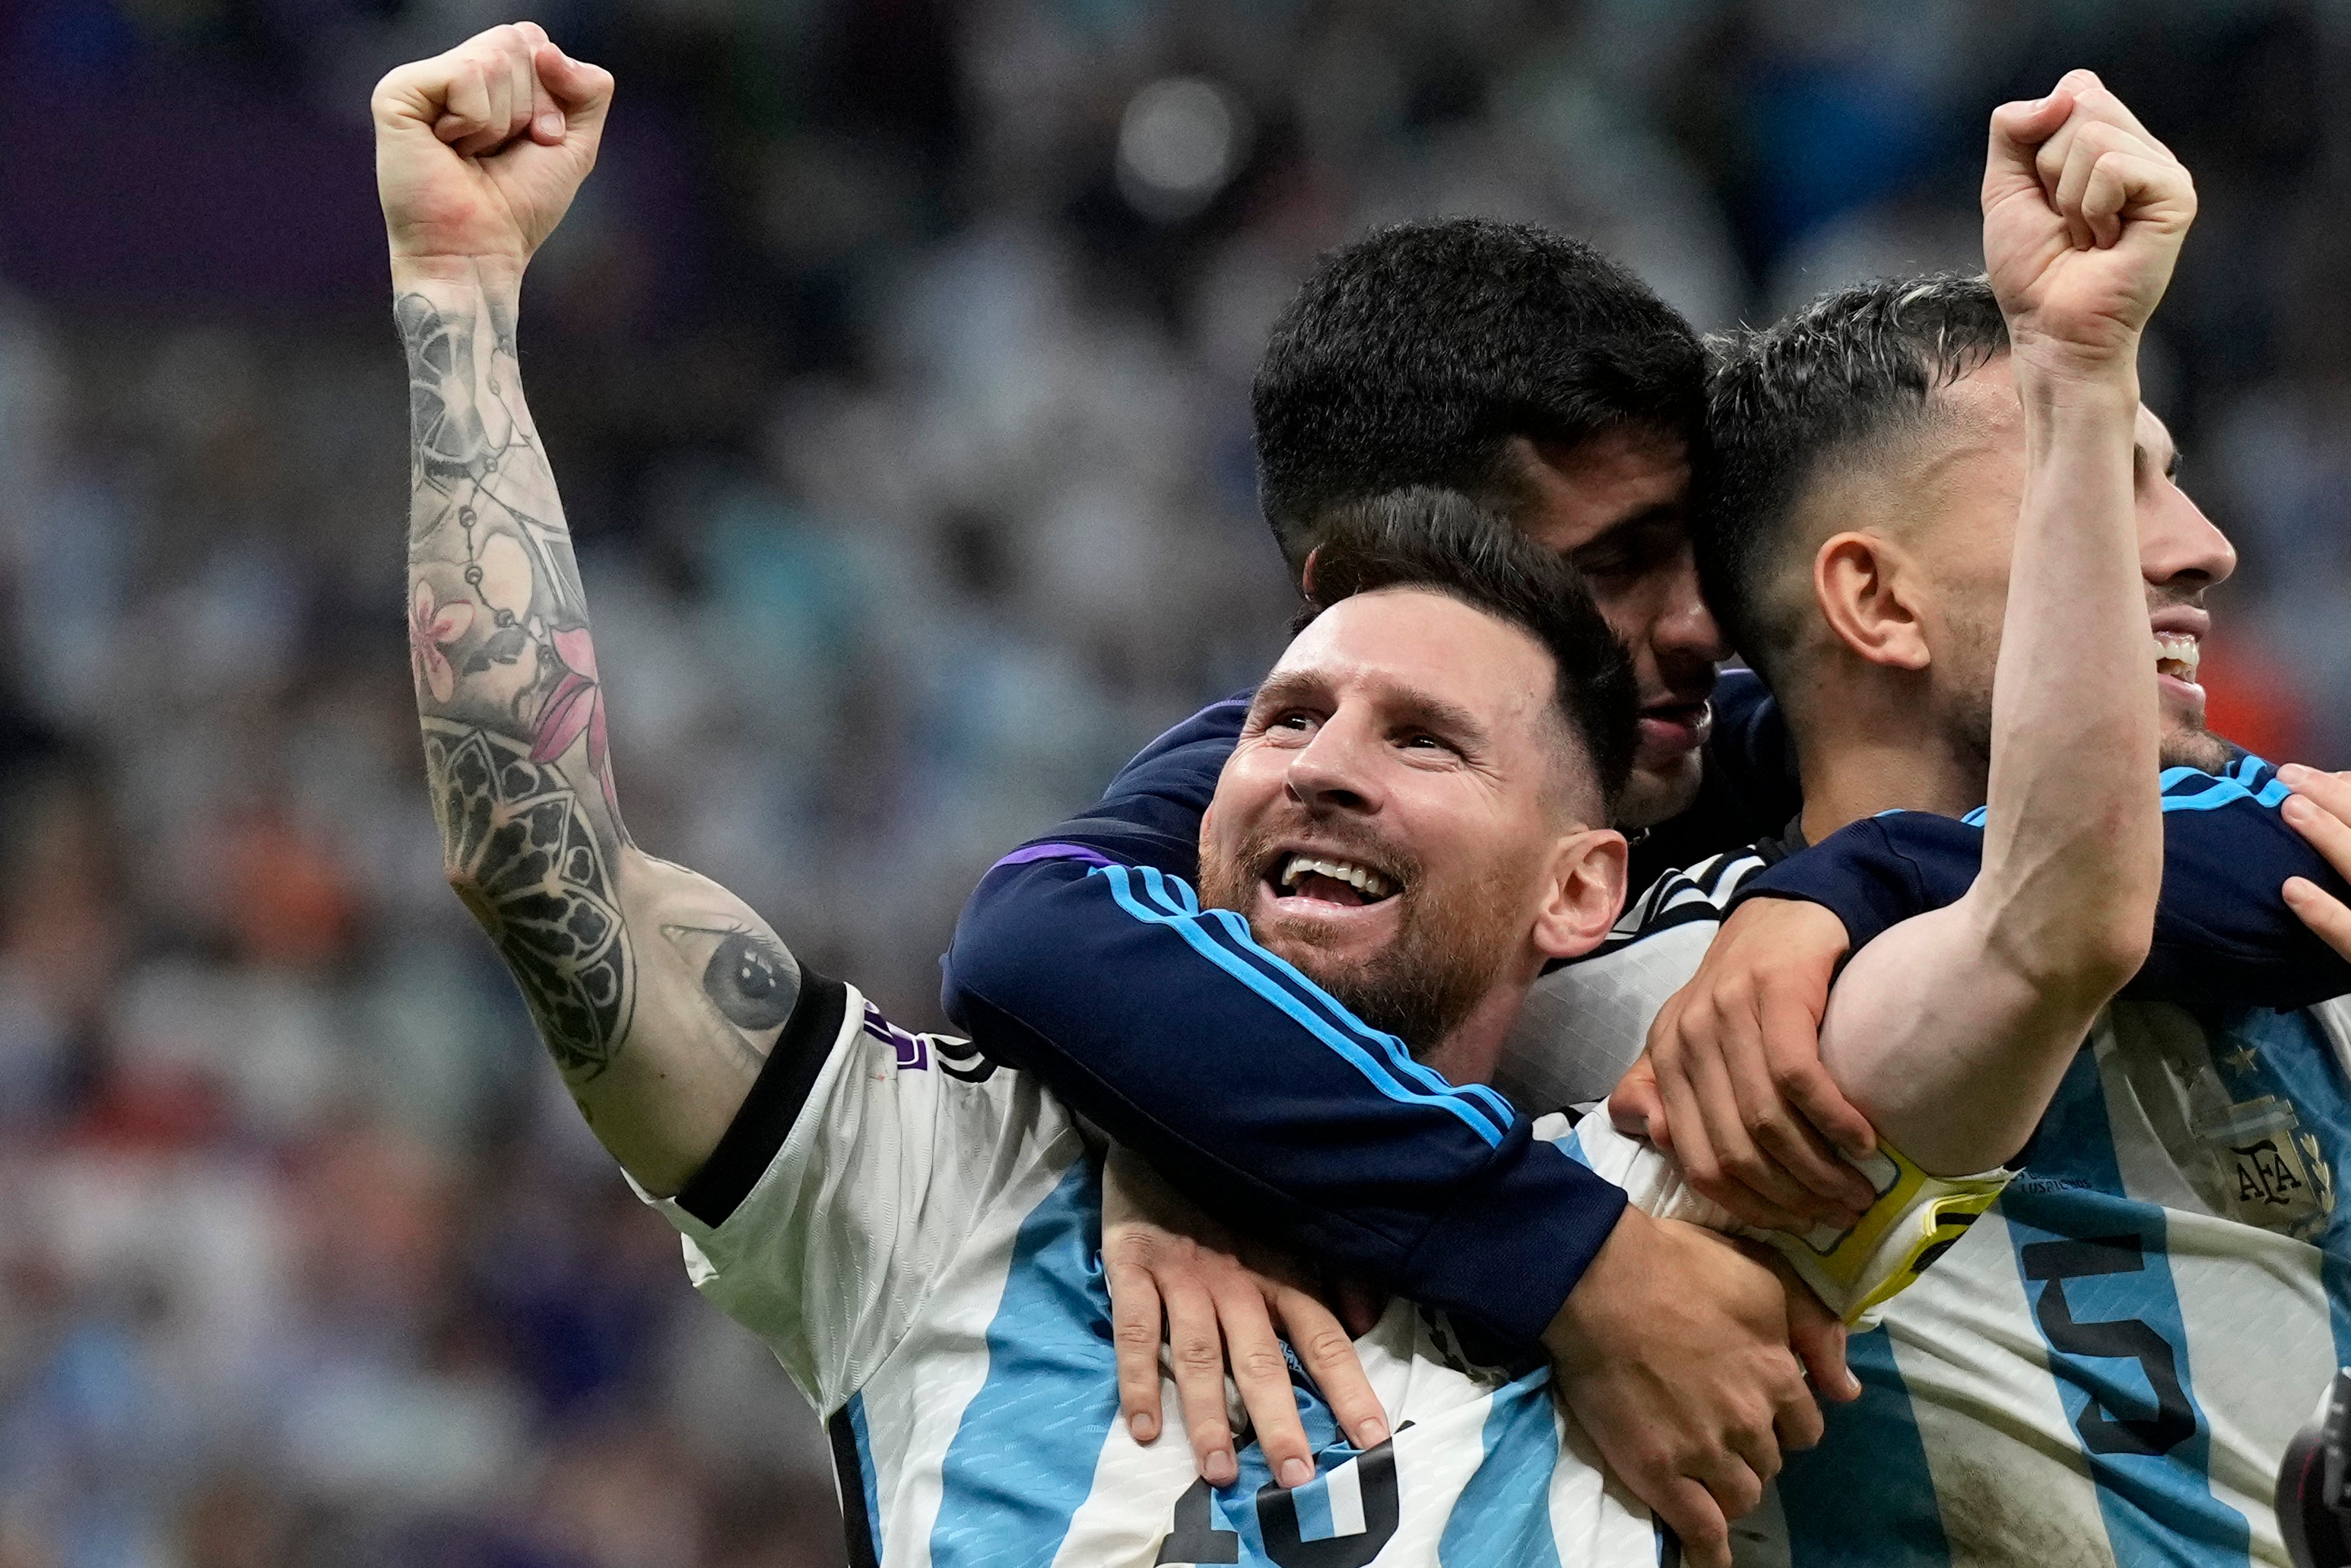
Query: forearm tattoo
x,y
505,680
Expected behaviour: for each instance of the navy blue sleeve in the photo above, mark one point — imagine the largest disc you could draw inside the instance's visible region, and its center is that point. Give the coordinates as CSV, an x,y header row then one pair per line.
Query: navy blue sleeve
x,y
2222,933
1085,959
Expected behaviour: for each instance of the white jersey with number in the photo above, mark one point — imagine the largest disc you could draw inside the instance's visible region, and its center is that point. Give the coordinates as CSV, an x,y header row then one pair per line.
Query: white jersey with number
x,y
2107,1369
923,1254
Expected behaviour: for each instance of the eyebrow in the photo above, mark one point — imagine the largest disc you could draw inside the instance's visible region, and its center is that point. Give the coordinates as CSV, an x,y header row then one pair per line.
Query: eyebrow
x,y
1412,703
1649,517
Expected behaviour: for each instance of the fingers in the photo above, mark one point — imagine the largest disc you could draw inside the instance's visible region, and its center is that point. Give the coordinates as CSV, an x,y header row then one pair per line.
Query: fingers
x,y
1809,1175
1712,1143
493,92
2318,809
1818,1338
1328,1352
1262,1374
1690,1512
2331,791
546,115
1796,1421
2321,911
1634,1106
1135,1316
2017,132
578,88
1198,1351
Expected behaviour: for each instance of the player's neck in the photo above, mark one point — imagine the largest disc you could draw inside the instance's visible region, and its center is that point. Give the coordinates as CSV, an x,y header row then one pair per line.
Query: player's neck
x,y
1862,757
1471,1053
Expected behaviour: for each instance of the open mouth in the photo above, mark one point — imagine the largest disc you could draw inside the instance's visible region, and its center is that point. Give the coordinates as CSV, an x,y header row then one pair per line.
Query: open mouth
x,y
1348,883
2177,654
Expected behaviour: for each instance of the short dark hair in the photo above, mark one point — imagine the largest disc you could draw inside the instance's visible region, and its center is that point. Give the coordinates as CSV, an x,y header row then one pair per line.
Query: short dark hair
x,y
1784,403
1444,542
1413,355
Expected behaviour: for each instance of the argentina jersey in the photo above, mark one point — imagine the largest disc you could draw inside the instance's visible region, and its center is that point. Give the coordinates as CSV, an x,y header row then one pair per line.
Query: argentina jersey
x,y
915,1233
2108,1368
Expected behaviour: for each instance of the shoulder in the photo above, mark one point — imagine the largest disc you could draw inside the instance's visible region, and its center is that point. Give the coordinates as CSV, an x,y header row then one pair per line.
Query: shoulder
x,y
1699,892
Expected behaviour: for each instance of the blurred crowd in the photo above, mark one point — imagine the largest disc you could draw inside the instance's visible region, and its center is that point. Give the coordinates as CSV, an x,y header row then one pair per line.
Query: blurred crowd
x,y
894,365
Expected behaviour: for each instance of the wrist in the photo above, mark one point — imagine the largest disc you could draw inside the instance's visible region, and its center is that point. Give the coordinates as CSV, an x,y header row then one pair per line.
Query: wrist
x,y
2053,374
498,277
1572,1340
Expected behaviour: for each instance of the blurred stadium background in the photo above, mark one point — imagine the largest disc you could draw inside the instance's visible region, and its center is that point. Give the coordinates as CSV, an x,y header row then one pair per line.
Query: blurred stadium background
x,y
894,365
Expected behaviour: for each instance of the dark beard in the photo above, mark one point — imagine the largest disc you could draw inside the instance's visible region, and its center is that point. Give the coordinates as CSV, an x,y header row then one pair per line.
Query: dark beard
x,y
1449,947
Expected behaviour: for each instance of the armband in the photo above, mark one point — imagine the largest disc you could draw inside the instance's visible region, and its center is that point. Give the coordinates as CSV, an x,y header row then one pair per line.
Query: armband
x,y
1916,1218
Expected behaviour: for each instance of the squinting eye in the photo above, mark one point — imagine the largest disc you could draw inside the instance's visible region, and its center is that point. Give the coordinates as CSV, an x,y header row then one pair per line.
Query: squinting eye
x,y
747,976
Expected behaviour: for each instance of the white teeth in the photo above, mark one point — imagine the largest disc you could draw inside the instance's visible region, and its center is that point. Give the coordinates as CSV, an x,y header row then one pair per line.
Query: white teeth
x,y
2179,650
1362,879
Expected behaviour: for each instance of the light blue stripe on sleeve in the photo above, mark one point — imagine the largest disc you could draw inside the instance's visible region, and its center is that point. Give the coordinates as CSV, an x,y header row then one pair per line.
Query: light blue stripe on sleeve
x,y
1176,895
1024,1454
2250,780
1193,931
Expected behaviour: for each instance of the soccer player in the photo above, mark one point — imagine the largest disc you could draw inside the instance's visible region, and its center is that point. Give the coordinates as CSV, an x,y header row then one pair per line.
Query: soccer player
x,y
910,1226
2109,1366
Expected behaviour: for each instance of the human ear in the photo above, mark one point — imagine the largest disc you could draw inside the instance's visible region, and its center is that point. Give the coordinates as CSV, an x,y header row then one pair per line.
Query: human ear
x,y
1869,600
1586,893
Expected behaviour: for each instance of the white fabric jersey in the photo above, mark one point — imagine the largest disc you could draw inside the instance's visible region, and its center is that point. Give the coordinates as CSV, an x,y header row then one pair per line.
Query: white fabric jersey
x,y
923,1255
2107,1369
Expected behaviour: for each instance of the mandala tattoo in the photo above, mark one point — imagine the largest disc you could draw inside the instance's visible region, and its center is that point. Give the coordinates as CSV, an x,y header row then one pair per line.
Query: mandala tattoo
x,y
515,833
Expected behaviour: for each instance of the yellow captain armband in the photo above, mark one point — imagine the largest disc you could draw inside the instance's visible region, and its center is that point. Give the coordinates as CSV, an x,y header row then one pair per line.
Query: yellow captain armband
x,y
1916,1218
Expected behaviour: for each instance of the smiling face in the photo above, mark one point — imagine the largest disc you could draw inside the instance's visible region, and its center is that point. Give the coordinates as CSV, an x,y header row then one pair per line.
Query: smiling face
x,y
1402,816
1973,489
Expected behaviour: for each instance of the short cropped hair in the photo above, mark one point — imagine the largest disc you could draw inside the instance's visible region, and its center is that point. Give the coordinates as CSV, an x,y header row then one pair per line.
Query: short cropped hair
x,y
1792,402
1443,541
1416,354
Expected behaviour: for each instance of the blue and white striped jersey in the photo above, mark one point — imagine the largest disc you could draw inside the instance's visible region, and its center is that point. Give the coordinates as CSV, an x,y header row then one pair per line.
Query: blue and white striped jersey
x,y
2107,1369
916,1232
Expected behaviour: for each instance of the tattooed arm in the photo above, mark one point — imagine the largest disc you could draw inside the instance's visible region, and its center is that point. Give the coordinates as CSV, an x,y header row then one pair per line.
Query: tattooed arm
x,y
658,992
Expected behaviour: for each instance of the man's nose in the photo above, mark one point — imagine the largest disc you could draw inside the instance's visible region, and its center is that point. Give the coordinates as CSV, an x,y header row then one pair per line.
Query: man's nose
x,y
2178,542
1332,771
1686,630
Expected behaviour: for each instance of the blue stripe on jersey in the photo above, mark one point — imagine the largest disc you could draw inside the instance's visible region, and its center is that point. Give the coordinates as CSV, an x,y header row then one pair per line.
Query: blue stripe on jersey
x,y
2096,1270
1864,1498
1023,1456
1196,930
855,1411
2187,789
2191,790
2293,1057
1503,1515
1176,895
1237,1502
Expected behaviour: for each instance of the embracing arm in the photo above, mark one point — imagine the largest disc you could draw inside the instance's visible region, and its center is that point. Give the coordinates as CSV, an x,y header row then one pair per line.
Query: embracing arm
x,y
1952,1030
658,993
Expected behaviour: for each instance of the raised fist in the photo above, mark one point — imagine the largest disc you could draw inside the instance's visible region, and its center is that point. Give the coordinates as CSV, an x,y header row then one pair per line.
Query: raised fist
x,y
478,151
2084,213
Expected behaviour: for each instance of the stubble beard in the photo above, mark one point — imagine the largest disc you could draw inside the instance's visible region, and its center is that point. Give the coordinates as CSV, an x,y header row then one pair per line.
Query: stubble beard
x,y
1450,947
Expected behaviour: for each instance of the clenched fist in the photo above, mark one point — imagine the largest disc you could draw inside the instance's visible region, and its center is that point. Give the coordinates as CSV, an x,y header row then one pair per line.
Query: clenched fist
x,y
2084,213
478,151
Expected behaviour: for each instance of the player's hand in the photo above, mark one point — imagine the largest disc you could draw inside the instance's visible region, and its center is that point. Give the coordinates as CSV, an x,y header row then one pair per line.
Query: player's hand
x,y
1673,1351
1160,1255
1731,1083
2084,214
2320,810
479,152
